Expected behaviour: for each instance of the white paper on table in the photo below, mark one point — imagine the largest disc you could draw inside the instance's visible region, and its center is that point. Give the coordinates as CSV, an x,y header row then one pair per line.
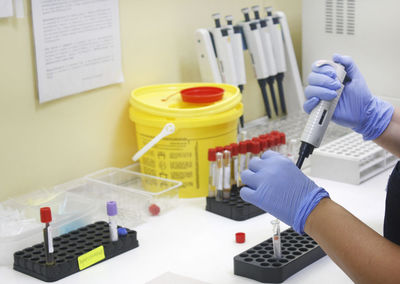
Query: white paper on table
x,y
6,8
77,46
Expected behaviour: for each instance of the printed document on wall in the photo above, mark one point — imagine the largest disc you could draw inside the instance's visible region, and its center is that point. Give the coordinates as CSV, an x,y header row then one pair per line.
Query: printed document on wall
x,y
77,45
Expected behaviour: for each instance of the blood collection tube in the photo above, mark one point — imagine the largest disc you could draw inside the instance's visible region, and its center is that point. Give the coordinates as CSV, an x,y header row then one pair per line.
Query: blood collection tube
x,y
263,145
45,217
219,149
211,177
276,238
235,163
270,142
112,222
227,175
276,142
219,176
242,156
248,152
282,145
229,148
255,149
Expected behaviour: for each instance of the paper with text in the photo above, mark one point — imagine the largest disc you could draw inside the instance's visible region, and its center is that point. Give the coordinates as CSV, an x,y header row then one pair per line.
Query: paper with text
x,y
6,8
77,46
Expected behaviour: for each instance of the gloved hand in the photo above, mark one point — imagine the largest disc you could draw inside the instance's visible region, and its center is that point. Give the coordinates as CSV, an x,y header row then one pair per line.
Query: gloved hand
x,y
357,107
276,185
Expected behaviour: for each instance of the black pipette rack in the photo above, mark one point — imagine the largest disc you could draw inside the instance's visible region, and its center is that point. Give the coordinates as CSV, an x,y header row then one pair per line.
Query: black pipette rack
x,y
233,208
259,263
67,249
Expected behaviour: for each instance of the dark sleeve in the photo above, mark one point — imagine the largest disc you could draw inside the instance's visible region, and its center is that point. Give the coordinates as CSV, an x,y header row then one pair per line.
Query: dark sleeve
x,y
391,226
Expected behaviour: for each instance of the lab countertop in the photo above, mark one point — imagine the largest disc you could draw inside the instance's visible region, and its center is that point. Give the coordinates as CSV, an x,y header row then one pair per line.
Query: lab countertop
x,y
194,243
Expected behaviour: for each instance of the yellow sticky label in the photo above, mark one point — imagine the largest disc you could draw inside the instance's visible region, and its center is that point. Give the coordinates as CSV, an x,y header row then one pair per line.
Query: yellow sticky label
x,y
91,257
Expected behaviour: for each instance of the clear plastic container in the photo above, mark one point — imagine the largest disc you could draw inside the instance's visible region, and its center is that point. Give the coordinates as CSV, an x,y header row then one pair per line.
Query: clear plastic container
x,y
20,224
137,195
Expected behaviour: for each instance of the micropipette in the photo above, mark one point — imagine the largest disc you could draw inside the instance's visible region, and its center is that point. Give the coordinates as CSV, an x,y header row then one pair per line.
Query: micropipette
x,y
275,31
320,117
254,46
45,217
268,53
237,50
223,45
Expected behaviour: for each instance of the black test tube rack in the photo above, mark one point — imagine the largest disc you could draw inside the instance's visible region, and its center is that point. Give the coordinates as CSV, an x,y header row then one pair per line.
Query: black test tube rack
x,y
234,208
259,263
67,249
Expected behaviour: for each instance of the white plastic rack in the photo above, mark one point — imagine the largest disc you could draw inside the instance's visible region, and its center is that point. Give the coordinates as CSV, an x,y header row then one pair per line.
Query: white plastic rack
x,y
350,159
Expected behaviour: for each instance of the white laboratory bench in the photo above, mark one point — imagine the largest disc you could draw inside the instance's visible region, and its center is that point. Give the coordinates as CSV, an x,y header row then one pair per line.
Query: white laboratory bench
x,y
192,242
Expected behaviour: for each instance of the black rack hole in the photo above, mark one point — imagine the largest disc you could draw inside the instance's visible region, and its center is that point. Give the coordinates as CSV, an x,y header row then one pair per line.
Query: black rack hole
x,y
298,245
303,249
260,259
276,264
26,256
290,256
271,260
244,255
250,251
309,246
291,248
265,264
255,255
248,259
296,253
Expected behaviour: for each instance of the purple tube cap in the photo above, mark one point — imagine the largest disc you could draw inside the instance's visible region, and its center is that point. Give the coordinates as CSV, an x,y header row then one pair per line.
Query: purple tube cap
x,y
112,208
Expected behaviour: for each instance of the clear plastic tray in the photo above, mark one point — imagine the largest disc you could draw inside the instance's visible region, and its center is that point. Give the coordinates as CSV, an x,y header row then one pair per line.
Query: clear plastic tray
x,y
20,224
140,191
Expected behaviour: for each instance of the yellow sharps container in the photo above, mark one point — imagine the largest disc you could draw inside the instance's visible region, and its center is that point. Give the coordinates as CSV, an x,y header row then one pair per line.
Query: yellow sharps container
x,y
198,126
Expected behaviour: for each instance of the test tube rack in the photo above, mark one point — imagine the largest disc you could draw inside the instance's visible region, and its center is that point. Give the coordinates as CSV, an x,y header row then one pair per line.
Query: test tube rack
x,y
259,263
233,208
358,160
73,252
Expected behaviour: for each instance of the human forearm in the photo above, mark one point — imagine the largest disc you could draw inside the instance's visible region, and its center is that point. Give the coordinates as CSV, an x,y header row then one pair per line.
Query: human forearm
x,y
390,138
363,254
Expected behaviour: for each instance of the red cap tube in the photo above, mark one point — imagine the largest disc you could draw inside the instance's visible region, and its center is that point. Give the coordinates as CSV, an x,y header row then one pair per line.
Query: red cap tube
x,y
235,149
45,215
212,155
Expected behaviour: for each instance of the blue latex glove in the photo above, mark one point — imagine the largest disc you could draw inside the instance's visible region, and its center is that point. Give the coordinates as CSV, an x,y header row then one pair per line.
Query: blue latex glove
x,y
357,107
276,185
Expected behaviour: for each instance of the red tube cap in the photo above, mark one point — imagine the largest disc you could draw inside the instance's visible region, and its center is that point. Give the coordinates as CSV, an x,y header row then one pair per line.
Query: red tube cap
x,y
235,149
219,149
240,237
242,147
45,215
248,145
228,147
212,154
255,147
274,132
282,136
277,140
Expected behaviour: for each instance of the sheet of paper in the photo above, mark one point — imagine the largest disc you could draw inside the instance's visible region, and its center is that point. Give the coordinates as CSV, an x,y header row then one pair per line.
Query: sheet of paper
x,y
77,46
6,8
19,8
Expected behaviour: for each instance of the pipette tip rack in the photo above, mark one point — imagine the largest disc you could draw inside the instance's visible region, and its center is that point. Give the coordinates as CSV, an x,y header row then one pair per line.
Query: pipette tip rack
x,y
259,263
233,208
72,250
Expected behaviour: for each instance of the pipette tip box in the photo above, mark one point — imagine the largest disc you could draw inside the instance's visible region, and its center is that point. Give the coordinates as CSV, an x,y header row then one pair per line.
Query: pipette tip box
x,y
233,208
74,252
259,263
